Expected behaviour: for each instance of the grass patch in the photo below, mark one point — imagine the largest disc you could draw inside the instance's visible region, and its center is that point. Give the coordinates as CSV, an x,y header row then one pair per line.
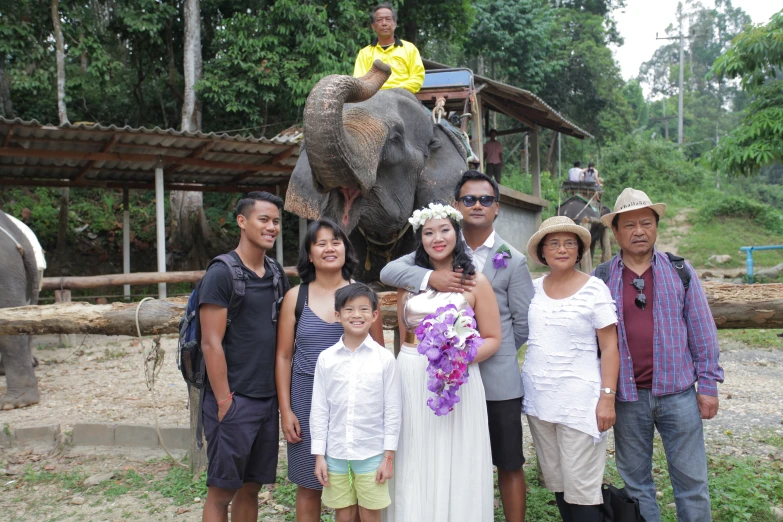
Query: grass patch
x,y
726,236
110,355
180,486
756,338
70,480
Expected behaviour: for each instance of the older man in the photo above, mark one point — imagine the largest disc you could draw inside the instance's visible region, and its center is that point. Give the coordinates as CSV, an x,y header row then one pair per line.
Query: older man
x,y
478,198
402,56
669,370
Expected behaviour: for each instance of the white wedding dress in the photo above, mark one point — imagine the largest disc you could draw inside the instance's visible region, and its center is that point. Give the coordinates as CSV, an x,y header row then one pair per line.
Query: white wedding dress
x,y
443,465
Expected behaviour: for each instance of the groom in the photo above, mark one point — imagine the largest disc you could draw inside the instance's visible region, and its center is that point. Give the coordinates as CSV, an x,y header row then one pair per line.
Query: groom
x,y
478,198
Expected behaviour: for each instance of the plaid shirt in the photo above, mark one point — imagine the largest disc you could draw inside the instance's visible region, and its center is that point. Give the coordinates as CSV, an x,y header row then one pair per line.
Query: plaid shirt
x,y
685,342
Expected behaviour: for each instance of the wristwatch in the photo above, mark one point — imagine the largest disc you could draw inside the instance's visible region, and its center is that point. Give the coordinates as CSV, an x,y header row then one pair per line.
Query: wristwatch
x,y
609,391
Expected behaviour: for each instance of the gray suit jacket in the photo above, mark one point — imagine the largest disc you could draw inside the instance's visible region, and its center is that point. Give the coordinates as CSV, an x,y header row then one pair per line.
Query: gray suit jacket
x,y
513,289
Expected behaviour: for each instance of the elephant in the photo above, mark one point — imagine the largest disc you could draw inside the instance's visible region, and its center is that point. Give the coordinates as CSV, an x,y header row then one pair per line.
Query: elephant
x,y
578,208
369,158
18,287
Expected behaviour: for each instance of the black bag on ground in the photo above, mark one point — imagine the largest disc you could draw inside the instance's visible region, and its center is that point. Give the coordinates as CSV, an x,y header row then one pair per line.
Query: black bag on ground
x,y
618,506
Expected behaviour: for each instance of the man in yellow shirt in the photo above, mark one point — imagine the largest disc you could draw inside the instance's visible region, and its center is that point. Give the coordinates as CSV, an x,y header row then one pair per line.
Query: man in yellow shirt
x,y
400,55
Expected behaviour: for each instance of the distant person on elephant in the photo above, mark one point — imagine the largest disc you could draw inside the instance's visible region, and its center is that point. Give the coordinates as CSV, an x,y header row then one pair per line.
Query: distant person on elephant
x,y
240,403
575,172
402,56
590,175
493,155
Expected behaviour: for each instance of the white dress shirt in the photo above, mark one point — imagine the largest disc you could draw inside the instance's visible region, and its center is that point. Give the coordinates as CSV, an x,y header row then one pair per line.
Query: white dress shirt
x,y
357,402
479,257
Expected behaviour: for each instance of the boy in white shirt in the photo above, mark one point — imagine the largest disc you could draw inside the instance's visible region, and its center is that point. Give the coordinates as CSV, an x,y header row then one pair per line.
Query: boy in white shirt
x,y
356,412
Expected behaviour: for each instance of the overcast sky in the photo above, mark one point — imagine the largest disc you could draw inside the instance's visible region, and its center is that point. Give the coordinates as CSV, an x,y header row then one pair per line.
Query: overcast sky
x,y
641,19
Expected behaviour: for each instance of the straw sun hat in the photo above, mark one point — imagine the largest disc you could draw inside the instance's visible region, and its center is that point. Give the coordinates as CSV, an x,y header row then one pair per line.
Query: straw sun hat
x,y
553,225
632,199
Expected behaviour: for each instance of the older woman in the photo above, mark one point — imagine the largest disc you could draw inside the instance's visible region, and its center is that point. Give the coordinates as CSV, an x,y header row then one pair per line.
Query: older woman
x,y
326,262
570,371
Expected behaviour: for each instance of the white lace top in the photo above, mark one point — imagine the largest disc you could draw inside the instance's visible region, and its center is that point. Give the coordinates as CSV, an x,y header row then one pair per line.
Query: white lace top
x,y
561,374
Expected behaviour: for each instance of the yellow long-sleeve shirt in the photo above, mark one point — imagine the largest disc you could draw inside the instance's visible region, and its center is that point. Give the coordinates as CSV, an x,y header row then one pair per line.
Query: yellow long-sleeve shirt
x,y
403,58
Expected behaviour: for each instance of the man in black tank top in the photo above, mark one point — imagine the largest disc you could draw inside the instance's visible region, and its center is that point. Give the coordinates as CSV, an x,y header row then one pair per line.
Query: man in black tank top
x,y
240,403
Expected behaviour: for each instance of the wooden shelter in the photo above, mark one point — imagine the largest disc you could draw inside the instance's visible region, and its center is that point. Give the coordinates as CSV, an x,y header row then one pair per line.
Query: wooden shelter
x,y
93,155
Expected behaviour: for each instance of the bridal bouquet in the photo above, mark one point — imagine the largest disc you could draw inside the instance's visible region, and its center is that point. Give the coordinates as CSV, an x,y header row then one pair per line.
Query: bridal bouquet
x,y
450,341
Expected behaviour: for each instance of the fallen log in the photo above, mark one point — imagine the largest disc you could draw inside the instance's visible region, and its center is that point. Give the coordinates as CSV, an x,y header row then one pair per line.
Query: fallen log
x,y
745,306
136,278
733,306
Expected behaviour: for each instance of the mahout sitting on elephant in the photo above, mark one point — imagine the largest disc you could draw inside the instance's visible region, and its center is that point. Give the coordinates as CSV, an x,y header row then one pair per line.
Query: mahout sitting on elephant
x,y
369,158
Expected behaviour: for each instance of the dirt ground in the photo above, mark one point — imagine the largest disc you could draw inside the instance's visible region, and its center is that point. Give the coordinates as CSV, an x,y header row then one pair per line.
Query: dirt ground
x,y
101,379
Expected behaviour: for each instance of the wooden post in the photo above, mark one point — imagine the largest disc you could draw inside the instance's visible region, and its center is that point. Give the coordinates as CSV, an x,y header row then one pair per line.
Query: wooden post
x,y
535,169
526,154
126,289
63,296
160,224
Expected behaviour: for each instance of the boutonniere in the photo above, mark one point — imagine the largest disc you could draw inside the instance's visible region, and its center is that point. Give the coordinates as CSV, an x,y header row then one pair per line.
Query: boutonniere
x,y
500,260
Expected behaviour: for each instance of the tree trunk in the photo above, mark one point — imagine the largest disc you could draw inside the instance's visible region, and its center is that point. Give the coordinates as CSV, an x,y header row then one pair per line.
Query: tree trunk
x,y
6,107
549,156
62,221
62,111
732,306
189,230
189,233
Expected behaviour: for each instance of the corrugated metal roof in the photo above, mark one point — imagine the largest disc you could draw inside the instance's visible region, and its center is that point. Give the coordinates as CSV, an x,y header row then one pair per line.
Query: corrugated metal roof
x,y
520,104
94,155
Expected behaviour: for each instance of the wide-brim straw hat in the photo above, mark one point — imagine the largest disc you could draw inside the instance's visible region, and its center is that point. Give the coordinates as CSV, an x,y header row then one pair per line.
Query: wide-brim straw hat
x,y
632,199
553,225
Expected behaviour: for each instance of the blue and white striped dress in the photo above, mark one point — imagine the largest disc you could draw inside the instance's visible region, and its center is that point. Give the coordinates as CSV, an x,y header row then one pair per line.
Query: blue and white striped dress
x,y
313,335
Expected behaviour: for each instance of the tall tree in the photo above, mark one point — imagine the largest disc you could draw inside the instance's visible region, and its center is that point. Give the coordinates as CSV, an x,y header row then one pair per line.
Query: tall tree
x,y
756,57
189,232
62,111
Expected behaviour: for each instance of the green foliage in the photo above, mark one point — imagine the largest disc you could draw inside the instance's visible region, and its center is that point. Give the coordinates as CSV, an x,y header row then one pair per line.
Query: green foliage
x,y
755,56
655,166
756,338
726,236
743,208
264,63
516,40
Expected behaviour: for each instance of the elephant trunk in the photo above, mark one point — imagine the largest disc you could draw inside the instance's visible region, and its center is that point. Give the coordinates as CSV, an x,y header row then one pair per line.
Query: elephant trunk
x,y
344,150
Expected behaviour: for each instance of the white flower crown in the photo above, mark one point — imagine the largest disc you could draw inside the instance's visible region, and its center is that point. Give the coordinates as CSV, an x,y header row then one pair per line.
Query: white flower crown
x,y
433,211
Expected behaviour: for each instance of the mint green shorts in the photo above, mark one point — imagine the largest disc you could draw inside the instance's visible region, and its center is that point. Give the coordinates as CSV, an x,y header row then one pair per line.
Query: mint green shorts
x,y
352,482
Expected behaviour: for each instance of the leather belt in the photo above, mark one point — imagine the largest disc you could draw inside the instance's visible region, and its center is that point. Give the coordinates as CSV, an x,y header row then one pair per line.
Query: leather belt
x,y
410,338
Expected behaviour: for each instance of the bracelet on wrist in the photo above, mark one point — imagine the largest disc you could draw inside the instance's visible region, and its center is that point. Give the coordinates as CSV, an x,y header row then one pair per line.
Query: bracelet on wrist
x,y
230,395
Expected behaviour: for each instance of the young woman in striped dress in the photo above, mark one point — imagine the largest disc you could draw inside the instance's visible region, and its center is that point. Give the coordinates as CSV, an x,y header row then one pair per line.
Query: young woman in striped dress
x,y
326,262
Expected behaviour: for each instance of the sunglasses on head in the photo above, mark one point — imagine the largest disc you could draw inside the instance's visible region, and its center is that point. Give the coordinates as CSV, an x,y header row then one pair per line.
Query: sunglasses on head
x,y
470,201
641,299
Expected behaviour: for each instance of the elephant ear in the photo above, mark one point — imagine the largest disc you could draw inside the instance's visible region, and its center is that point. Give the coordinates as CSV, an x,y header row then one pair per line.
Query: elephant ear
x,y
443,169
302,198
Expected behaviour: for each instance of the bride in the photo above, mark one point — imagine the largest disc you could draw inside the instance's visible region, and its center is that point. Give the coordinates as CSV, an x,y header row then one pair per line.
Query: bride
x,y
443,463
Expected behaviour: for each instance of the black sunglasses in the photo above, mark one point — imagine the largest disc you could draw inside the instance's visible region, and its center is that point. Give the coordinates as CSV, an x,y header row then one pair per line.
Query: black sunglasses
x,y
641,299
470,201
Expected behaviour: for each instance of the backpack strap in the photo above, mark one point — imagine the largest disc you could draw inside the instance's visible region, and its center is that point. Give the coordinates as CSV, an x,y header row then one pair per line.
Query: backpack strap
x,y
602,272
239,277
679,265
301,301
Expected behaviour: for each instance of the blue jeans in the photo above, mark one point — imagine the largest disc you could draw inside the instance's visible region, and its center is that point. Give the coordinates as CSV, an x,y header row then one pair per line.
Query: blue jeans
x,y
678,421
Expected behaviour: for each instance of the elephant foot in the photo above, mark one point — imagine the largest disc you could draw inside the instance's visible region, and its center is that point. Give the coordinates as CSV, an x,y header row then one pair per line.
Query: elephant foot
x,y
11,401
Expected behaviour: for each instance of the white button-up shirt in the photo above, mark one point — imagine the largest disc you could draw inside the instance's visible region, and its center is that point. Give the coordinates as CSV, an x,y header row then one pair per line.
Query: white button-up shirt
x,y
357,402
479,257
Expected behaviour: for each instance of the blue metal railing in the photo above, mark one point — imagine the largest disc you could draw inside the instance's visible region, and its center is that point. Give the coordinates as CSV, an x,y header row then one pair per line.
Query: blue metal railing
x,y
749,259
